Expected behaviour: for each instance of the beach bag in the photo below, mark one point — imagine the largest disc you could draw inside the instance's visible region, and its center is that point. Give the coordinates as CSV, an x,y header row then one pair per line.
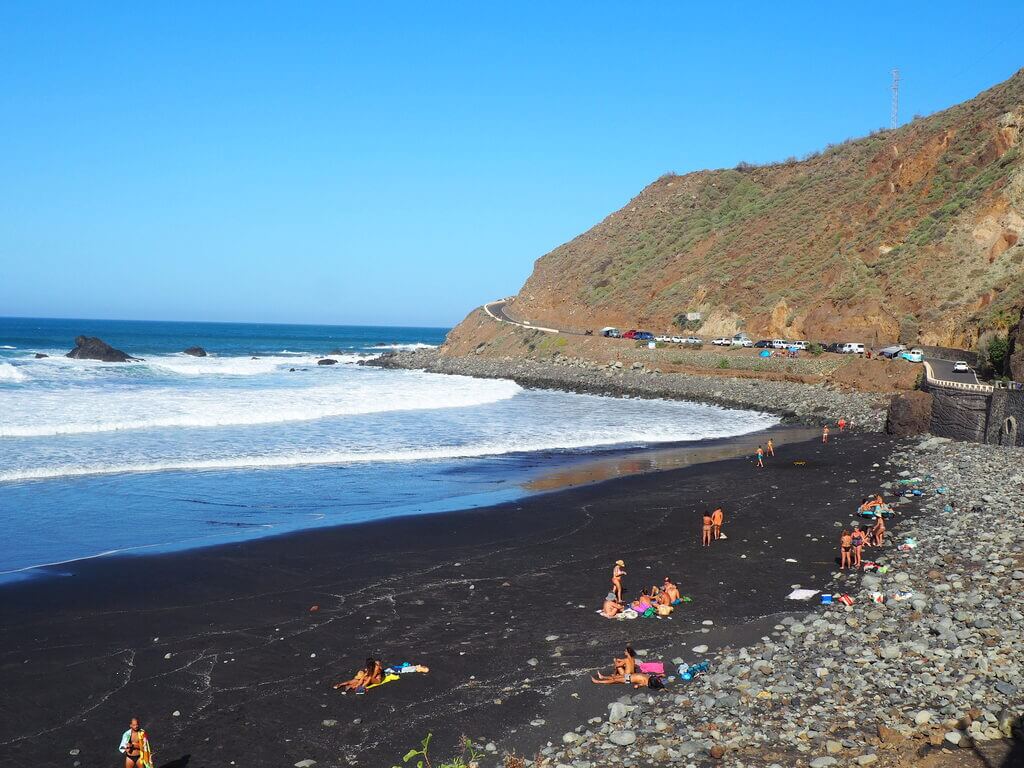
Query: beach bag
x,y
648,614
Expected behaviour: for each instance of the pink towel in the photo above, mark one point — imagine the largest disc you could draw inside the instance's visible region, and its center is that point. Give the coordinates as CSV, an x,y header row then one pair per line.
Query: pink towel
x,y
652,667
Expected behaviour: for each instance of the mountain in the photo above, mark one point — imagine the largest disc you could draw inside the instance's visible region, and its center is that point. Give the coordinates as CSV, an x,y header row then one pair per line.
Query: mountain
x,y
912,234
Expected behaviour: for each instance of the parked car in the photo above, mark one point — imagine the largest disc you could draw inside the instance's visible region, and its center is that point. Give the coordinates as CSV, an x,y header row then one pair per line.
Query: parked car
x,y
678,340
763,344
779,343
802,345
835,346
891,352
692,340
630,334
663,339
912,355
852,348
644,336
722,341
961,367
744,342
611,333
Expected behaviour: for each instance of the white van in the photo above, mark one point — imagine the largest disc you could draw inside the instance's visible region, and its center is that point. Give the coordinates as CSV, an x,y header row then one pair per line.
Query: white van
x,y
852,349
779,343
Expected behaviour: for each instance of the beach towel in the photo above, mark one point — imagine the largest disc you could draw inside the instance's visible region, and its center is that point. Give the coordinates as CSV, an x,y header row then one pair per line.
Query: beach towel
x,y
388,678
146,753
802,594
652,667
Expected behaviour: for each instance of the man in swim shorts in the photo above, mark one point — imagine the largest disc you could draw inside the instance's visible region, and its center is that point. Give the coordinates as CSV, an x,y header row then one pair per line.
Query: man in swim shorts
x,y
135,746
760,457
824,434
716,523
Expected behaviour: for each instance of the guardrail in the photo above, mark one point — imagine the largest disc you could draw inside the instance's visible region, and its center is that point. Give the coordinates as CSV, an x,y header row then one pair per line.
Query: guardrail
x,y
961,385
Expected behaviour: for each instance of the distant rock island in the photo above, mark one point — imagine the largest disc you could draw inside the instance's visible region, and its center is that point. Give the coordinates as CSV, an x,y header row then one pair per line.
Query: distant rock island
x,y
196,352
92,348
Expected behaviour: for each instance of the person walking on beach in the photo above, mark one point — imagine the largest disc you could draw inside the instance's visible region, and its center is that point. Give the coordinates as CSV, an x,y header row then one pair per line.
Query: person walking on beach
x,y
845,545
771,447
842,423
857,539
716,523
760,457
617,573
135,746
708,523
824,434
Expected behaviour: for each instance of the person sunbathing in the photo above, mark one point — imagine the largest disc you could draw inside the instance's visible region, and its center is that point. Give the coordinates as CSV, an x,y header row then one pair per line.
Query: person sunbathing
x,y
627,664
642,603
372,673
671,591
637,680
612,607
873,505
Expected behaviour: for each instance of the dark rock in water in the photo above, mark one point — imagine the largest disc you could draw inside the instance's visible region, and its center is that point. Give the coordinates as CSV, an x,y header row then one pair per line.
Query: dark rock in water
x,y
336,351
196,352
40,355
254,358
909,414
91,348
291,370
327,361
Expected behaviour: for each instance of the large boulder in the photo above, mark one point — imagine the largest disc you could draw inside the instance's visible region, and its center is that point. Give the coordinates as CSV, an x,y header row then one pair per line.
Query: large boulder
x,y
91,348
910,414
327,361
196,352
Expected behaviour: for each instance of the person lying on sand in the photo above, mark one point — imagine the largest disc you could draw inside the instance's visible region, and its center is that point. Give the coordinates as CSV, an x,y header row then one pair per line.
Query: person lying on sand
x,y
627,664
671,591
642,603
617,573
637,680
611,607
717,517
708,523
372,673
845,546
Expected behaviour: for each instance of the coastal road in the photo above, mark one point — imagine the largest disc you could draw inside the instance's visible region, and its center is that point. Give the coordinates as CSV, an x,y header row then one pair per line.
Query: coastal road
x,y
496,309
943,369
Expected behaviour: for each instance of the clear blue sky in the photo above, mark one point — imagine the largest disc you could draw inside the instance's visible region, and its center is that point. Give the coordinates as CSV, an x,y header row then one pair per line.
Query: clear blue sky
x,y
400,163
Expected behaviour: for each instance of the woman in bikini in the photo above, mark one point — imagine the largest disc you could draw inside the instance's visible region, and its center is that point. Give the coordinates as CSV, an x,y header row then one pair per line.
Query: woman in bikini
x,y
135,746
627,664
617,573
857,540
708,524
878,531
845,545
372,673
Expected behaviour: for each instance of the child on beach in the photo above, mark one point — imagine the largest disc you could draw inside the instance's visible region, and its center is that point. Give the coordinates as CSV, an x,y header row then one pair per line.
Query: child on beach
x,y
707,524
760,457
824,434
771,447
617,573
857,542
717,517
845,545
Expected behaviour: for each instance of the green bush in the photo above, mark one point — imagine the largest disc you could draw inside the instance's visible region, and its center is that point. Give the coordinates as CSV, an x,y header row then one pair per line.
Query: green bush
x,y
723,363
464,760
815,349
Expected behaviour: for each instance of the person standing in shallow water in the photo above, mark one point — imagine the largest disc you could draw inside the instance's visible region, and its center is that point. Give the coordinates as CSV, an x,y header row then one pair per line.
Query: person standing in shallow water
x,y
135,746
617,573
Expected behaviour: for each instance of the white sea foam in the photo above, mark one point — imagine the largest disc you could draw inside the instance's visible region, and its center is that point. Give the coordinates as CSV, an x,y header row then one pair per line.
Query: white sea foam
x,y
9,374
404,347
512,444
330,394
257,365
7,346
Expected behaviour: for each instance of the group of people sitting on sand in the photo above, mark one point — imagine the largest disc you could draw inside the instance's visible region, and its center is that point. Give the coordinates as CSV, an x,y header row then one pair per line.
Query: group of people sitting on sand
x,y
653,601
627,671
374,673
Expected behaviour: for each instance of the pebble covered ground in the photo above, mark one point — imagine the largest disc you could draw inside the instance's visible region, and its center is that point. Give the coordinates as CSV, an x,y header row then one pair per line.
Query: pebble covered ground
x,y
941,670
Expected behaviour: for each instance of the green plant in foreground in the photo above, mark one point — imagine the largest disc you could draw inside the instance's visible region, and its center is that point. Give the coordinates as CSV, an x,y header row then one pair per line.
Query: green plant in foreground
x,y
723,363
468,757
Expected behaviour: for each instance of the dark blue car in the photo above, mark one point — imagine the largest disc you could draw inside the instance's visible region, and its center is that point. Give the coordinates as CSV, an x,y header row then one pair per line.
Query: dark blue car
x,y
644,336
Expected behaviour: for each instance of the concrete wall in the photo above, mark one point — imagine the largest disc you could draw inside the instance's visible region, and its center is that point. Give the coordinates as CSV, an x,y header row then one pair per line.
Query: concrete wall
x,y
996,418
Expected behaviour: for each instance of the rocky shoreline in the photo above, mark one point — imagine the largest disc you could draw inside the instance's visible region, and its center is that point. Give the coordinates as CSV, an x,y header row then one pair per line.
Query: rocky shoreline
x,y
807,403
939,671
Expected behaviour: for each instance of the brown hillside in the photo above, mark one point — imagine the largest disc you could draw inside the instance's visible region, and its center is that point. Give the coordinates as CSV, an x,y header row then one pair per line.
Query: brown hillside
x,y
912,234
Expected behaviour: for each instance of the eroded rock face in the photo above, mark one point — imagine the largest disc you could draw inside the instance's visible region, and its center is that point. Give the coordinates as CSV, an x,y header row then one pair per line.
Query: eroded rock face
x,y
909,414
1015,357
92,348
196,352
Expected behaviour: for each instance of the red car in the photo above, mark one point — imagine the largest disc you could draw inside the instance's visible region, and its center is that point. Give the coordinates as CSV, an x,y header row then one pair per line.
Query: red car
x,y
630,334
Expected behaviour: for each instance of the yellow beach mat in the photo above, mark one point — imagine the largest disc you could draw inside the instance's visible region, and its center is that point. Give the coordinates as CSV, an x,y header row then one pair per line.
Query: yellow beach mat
x,y
387,679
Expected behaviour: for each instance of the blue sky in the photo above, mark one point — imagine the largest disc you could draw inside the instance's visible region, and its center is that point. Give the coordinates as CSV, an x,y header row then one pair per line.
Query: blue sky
x,y
394,163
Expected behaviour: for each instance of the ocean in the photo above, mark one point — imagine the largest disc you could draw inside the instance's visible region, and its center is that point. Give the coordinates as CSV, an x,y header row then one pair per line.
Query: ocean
x,y
172,452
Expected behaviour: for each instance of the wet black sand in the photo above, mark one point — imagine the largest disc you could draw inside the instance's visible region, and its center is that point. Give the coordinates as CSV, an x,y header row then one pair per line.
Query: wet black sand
x,y
472,594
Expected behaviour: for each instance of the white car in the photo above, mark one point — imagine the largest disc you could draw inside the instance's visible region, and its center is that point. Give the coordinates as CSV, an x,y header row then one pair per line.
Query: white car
x,y
961,367
722,341
693,340
802,345
779,343
665,339
742,343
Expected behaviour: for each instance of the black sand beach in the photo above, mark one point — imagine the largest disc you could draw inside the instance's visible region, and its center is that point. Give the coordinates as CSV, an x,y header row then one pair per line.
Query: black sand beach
x,y
475,595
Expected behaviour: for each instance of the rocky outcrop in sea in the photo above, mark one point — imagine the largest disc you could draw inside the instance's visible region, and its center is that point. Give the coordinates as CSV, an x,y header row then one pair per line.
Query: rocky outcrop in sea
x,y
92,348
